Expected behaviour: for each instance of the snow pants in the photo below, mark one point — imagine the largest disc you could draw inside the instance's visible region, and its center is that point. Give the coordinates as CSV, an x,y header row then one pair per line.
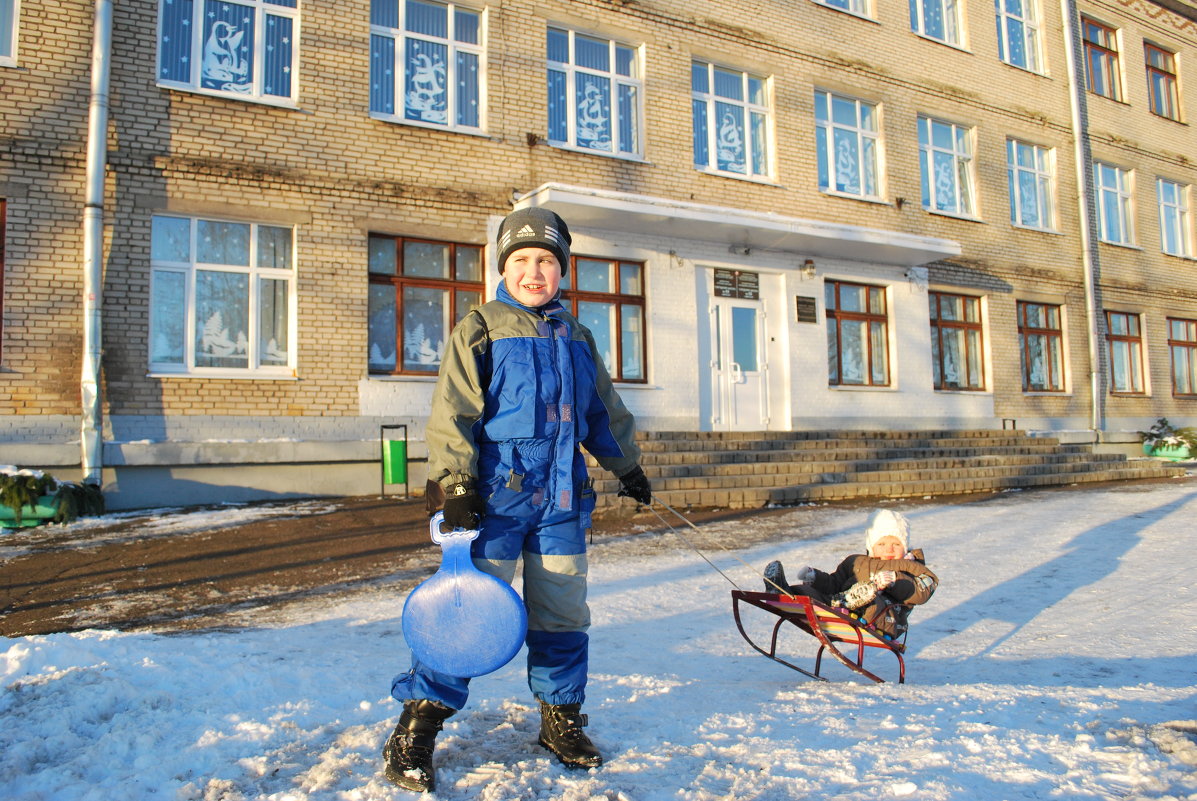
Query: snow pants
x,y
553,547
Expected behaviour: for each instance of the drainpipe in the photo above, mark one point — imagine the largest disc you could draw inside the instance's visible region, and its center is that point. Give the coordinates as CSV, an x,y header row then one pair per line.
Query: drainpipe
x,y
93,243
1080,138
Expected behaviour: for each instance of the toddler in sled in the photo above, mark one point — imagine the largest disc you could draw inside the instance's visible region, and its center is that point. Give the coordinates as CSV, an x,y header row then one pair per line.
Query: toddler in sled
x,y
879,585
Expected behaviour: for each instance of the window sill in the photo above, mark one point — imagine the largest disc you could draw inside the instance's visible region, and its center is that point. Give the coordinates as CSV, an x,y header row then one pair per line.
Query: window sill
x,y
633,157
386,378
1154,114
1032,229
1117,100
1027,70
933,40
1124,245
971,392
227,375
847,11
430,126
1181,256
5,61
735,176
284,103
874,199
1048,393
861,388
953,215
1130,395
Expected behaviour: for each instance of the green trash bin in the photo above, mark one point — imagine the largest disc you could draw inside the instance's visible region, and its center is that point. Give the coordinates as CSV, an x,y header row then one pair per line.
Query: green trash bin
x,y
394,462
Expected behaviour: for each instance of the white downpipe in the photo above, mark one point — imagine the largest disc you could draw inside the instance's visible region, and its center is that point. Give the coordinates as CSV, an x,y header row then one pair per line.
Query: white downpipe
x,y
1080,138
93,243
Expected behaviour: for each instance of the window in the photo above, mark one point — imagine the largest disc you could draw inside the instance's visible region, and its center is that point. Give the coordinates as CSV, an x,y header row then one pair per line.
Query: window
x,y
857,334
425,63
1113,203
222,297
936,19
859,7
1101,59
1126,353
846,139
419,290
1041,347
1018,33
10,12
1161,82
236,48
1174,217
956,341
608,298
731,120
595,91
946,163
1029,170
1182,345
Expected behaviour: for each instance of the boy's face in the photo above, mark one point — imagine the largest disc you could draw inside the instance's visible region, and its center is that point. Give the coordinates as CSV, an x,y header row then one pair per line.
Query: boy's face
x,y
888,548
532,275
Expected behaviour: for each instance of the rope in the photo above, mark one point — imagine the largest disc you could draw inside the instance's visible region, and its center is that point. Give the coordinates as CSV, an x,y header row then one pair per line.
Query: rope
x,y
684,539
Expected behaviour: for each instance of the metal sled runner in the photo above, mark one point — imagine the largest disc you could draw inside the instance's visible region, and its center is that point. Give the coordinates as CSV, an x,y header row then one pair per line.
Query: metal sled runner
x,y
831,627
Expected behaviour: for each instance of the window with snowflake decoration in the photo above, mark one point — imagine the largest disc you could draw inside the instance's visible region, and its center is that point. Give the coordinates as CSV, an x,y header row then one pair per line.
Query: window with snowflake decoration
x,y
222,297
426,64
847,141
235,48
595,94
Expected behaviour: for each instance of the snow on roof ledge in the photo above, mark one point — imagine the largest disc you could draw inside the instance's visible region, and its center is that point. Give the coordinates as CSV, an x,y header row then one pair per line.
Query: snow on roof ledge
x,y
584,207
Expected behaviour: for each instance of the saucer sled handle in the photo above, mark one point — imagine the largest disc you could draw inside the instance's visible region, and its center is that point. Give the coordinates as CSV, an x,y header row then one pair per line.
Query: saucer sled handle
x,y
460,621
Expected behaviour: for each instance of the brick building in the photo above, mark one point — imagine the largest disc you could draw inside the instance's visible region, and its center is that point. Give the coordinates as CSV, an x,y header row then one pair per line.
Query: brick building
x,y
767,200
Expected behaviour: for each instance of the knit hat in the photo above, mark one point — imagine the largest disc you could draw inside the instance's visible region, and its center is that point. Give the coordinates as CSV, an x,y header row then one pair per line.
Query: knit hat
x,y
887,523
534,227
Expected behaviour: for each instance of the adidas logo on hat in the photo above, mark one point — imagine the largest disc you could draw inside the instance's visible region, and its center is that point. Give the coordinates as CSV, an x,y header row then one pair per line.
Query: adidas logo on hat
x,y
525,231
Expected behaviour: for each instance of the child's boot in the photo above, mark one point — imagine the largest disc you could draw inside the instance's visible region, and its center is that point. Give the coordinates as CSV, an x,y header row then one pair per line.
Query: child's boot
x,y
775,578
408,752
561,732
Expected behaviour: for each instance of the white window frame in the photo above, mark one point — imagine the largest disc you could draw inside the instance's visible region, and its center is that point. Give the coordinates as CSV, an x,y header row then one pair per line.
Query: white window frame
x,y
866,140
261,10
1027,25
859,8
1174,218
709,101
963,172
10,11
573,73
189,269
397,69
1121,191
952,14
1042,171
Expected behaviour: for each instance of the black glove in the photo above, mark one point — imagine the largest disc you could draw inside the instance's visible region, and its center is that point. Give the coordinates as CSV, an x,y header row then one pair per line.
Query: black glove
x,y
463,507
636,486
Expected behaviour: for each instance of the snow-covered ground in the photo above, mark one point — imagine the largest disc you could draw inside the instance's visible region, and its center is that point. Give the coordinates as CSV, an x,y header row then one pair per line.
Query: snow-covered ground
x,y
1056,661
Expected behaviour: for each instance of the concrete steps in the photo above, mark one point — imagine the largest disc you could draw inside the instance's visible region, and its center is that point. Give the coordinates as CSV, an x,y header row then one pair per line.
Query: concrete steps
x,y
753,469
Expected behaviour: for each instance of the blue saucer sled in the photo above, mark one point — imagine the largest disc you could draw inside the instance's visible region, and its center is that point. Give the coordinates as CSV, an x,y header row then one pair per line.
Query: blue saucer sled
x,y
461,621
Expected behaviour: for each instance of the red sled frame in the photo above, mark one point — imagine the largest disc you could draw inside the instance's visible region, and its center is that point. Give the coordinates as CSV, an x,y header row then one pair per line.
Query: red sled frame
x,y
827,624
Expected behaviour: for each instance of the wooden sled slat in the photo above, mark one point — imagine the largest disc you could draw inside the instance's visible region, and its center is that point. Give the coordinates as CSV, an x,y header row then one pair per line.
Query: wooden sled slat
x,y
829,626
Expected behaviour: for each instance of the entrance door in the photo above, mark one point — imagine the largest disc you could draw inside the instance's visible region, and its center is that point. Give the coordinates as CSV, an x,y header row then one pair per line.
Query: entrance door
x,y
740,398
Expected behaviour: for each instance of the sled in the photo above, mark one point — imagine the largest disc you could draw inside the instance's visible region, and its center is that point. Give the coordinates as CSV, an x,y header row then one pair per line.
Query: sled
x,y
461,621
835,629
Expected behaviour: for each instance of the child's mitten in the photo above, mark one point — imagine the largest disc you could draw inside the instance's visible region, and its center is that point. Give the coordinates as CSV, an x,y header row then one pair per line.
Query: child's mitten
x,y
859,594
883,578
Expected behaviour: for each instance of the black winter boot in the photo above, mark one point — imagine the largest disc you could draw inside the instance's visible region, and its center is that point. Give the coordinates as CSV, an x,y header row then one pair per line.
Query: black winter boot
x,y
775,578
561,732
408,752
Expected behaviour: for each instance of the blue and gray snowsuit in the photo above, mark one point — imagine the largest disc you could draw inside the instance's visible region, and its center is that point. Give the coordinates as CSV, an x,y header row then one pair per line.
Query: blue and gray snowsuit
x,y
519,390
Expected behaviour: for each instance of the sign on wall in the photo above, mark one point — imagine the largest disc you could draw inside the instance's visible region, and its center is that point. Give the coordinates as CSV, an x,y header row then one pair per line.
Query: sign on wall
x,y
737,284
807,309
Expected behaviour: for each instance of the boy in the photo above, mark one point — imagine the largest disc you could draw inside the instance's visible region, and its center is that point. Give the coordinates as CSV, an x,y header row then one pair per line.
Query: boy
x,y
887,569
521,386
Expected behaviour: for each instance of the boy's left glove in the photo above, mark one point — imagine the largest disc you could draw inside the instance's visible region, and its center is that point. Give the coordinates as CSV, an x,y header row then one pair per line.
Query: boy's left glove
x,y
636,486
859,594
463,507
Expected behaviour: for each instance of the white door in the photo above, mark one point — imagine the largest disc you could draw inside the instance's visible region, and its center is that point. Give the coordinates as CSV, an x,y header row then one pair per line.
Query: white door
x,y
739,374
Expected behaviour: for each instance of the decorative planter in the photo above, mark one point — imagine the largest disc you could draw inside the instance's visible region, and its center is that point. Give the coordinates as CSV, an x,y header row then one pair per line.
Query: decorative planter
x,y
1173,453
35,515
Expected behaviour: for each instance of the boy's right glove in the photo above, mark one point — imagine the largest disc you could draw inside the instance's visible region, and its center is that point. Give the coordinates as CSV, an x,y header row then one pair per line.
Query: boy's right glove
x,y
635,486
806,575
883,578
463,506
859,594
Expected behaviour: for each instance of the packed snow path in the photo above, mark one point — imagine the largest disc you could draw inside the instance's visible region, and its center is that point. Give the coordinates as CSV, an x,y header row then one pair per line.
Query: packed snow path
x,y
1056,660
